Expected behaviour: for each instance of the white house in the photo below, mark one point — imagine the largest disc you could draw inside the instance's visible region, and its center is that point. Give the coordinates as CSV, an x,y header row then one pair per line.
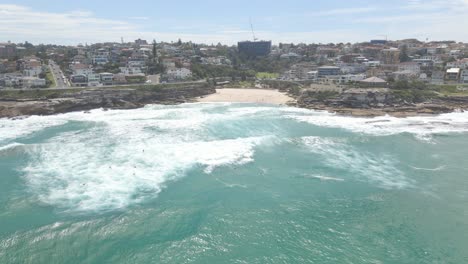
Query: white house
x,y
130,70
32,68
312,75
409,66
81,69
31,82
347,78
107,78
94,79
179,74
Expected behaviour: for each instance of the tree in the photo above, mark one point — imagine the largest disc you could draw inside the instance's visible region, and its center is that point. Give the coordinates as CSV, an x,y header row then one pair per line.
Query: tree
x,y
155,51
179,42
404,54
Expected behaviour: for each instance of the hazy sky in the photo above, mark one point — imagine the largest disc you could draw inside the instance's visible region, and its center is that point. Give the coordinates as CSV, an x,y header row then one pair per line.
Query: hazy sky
x,y
209,21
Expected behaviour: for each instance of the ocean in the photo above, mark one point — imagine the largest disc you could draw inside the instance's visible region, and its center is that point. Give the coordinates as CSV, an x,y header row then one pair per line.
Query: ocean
x,y
233,183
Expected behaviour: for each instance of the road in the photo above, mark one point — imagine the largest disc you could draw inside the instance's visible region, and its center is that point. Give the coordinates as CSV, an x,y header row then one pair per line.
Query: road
x,y
60,80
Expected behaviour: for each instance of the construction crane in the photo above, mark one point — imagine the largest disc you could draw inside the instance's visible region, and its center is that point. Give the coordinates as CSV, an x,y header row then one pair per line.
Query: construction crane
x,y
386,37
253,32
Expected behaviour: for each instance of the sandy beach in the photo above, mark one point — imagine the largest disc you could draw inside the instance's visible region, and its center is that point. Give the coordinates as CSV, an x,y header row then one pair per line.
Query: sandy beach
x,y
260,96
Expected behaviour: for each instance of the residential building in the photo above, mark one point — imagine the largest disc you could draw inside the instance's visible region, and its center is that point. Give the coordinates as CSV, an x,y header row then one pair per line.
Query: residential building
x,y
168,63
81,69
107,78
140,42
390,56
464,76
328,71
373,82
179,73
462,64
33,82
7,50
409,66
404,75
79,80
101,56
312,75
255,48
378,42
32,68
453,74
94,79
130,70
350,78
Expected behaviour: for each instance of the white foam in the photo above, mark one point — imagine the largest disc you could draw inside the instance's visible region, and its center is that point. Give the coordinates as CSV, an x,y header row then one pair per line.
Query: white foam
x,y
421,126
325,178
428,169
10,146
105,169
381,170
130,155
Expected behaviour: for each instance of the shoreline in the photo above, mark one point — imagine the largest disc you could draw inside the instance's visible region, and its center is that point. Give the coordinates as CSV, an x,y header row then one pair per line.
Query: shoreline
x,y
248,95
132,99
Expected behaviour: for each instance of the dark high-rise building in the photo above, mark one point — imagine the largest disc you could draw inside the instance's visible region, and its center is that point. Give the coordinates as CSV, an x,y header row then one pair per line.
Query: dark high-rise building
x,y
7,50
254,48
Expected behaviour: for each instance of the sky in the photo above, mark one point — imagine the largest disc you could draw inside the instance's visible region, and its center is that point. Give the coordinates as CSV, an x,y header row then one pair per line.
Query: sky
x,y
227,22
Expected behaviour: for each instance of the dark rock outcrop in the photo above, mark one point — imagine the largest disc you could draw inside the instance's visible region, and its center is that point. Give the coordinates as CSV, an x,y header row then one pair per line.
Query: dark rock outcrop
x,y
108,98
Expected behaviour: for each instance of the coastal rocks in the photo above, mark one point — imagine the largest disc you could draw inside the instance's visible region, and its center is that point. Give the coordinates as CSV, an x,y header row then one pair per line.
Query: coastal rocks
x,y
108,98
376,102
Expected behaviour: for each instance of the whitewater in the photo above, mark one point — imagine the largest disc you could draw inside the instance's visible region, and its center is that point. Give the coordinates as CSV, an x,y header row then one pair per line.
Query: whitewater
x,y
233,183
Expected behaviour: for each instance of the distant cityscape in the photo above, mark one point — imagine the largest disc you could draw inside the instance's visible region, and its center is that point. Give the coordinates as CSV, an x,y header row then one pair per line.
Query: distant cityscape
x,y
23,65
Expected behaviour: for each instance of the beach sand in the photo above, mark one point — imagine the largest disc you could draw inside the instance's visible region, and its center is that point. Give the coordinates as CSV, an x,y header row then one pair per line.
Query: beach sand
x,y
261,96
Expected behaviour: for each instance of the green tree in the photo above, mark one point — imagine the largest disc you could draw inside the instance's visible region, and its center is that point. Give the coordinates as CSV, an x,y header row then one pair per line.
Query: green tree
x,y
155,51
404,54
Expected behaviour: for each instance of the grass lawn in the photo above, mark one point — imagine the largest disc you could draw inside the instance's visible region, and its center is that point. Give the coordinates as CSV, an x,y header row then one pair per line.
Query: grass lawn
x,y
267,75
51,80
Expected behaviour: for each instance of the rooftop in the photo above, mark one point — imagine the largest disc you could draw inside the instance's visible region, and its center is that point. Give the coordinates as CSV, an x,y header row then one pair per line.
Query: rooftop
x,y
374,80
453,70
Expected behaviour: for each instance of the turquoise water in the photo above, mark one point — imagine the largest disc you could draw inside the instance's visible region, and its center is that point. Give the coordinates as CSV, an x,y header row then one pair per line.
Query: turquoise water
x,y
233,183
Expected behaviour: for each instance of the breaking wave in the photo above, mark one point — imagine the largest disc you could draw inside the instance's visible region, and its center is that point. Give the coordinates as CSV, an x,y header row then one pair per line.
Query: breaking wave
x,y
114,159
382,169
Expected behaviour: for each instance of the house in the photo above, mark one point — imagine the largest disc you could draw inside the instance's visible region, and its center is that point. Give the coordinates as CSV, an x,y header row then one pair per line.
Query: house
x,y
179,74
81,69
33,82
348,78
404,75
107,78
94,79
453,74
409,66
372,63
390,56
462,64
101,56
328,71
312,75
32,68
140,42
373,82
464,76
168,63
130,70
79,80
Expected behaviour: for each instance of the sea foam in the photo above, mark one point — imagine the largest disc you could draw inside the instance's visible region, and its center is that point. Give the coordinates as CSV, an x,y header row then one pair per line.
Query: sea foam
x,y
122,162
